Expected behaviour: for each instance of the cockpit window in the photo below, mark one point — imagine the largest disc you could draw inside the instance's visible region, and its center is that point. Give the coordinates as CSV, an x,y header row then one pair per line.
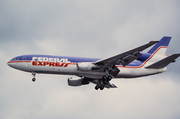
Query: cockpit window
x,y
16,58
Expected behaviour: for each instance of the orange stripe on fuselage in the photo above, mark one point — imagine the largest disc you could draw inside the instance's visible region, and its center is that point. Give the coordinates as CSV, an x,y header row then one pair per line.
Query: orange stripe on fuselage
x,y
17,61
145,61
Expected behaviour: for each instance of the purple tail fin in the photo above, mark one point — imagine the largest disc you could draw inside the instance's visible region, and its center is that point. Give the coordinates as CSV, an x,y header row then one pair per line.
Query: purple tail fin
x,y
163,42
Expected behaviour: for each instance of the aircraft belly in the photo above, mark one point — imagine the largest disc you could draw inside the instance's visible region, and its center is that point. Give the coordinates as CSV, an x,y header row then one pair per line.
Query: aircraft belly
x,y
91,74
125,73
138,72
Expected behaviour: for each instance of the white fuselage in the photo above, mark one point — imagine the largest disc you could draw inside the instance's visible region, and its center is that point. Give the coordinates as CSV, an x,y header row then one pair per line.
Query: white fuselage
x,y
69,68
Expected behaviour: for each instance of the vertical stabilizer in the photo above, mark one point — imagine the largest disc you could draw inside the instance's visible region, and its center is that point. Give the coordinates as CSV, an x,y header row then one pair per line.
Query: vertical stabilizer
x,y
158,51
161,47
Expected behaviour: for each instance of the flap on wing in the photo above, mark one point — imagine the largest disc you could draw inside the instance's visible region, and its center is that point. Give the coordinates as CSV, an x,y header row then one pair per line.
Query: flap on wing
x,y
164,62
125,61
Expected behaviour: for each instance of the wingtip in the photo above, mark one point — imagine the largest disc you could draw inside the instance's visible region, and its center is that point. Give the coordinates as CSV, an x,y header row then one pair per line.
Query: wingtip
x,y
177,54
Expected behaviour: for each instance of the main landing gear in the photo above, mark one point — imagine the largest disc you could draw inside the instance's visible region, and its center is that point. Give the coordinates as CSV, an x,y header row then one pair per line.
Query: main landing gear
x,y
105,79
34,75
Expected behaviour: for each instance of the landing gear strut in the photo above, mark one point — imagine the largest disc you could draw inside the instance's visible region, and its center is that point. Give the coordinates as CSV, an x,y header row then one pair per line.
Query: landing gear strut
x,y
106,79
34,75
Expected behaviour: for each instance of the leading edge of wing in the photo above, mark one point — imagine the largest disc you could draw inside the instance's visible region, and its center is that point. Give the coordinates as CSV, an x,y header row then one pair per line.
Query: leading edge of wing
x,y
117,59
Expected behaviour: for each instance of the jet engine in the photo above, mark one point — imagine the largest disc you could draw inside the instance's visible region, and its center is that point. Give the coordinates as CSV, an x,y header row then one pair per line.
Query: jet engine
x,y
77,81
86,66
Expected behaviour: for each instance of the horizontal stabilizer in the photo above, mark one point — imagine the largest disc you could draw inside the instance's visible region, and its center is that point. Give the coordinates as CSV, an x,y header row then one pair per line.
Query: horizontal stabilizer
x,y
164,62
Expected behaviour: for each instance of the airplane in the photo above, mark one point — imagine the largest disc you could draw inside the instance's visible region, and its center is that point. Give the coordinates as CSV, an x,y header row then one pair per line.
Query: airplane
x,y
130,64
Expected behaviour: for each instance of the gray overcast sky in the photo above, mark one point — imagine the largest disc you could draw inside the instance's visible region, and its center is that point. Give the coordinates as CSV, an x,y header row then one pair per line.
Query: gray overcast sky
x,y
86,28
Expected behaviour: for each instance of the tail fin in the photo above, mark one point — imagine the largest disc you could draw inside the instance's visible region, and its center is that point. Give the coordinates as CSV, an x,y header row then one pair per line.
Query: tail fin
x,y
164,62
163,44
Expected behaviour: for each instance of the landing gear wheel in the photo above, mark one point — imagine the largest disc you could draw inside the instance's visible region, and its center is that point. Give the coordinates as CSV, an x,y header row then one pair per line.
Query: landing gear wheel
x,y
105,79
101,87
33,79
97,87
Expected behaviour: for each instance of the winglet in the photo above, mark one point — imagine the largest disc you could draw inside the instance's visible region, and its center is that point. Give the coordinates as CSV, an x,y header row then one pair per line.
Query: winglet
x,y
164,62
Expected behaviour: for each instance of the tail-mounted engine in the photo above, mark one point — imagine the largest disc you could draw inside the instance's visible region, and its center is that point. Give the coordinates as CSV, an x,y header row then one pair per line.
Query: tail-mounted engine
x,y
86,66
77,81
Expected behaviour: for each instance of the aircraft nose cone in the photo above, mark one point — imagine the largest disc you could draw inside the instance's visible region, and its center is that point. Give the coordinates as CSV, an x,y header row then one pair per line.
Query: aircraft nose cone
x,y
9,64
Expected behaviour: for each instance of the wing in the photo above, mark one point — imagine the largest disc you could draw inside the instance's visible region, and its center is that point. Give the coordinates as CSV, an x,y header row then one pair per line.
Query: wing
x,y
123,58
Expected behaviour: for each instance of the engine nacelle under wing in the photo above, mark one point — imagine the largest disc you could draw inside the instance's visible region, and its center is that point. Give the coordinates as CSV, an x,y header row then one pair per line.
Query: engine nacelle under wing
x,y
77,81
86,66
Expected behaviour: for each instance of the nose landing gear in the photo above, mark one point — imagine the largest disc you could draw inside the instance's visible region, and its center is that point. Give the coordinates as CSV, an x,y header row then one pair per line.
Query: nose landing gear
x,y
34,75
